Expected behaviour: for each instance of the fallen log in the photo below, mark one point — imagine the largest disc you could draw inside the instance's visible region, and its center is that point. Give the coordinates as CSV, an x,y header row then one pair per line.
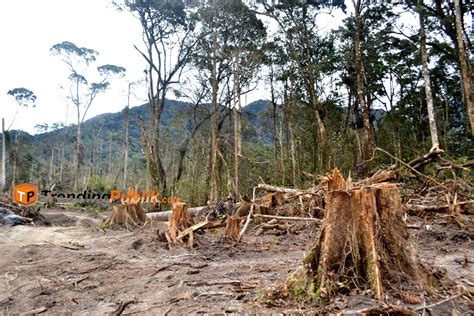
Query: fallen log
x,y
272,188
289,218
165,215
420,162
436,208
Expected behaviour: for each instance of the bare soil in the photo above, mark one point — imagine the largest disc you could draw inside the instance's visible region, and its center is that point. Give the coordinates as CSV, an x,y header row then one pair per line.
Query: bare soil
x,y
75,266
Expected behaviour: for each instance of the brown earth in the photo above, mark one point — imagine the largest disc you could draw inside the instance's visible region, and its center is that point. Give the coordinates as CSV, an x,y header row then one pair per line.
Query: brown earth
x,y
75,266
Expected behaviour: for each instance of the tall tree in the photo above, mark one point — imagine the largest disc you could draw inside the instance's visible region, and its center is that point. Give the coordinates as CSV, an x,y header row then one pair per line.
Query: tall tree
x,y
168,28
82,93
464,65
426,78
24,98
369,141
247,35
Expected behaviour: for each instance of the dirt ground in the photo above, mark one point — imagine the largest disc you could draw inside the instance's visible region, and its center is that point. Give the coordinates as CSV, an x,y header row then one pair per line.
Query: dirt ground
x,y
75,266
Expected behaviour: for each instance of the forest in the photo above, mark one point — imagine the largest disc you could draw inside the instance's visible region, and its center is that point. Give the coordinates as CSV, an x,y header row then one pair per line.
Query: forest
x,y
361,148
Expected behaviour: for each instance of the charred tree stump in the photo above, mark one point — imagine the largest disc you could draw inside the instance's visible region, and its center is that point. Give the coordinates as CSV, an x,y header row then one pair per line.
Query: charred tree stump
x,y
363,243
179,221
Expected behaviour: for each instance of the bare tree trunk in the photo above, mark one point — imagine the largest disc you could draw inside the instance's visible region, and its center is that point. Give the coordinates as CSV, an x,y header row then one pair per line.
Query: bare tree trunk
x,y
126,114
369,142
109,165
51,166
4,159
237,127
91,161
78,151
446,118
426,78
214,82
61,163
15,158
289,121
464,65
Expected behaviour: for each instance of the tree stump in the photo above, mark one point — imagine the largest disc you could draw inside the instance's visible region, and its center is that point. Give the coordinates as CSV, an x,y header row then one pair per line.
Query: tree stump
x,y
179,221
127,215
363,243
232,228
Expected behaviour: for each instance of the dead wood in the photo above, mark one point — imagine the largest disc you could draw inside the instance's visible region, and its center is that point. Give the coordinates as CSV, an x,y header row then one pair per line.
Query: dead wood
x,y
232,228
467,292
383,310
378,177
165,215
179,221
272,188
363,242
420,162
289,218
122,307
445,208
129,216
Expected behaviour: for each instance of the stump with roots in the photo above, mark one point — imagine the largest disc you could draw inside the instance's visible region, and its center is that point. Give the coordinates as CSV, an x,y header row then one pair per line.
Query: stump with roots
x,y
179,221
128,215
363,243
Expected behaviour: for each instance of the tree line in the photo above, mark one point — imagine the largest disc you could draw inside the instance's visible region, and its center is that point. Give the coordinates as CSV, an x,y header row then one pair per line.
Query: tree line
x,y
393,75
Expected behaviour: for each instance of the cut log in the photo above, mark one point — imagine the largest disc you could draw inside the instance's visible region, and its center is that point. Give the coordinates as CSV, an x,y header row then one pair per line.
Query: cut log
x,y
363,242
272,188
165,215
412,208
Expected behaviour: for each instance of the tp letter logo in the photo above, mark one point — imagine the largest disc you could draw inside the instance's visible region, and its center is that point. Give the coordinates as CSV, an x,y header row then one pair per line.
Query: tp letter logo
x,y
25,193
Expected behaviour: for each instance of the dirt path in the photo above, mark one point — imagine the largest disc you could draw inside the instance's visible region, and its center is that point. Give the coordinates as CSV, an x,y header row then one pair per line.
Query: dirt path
x,y
85,269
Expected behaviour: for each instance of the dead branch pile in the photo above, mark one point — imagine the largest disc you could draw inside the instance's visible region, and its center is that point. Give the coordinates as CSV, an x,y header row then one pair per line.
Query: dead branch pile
x,y
30,212
440,198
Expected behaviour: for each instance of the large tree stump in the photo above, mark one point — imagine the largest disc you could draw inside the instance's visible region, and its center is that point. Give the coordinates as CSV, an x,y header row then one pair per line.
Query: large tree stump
x,y
128,215
232,228
363,243
179,221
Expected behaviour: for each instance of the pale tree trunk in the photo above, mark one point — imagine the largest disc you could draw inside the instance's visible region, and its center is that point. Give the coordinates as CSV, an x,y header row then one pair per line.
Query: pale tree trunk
x,y
4,159
446,118
125,150
426,78
237,127
369,141
51,167
282,151
215,87
109,165
78,151
292,139
464,66
61,163
15,158
91,161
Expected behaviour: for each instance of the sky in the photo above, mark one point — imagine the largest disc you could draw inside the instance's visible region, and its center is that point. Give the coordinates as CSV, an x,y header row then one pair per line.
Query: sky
x,y
31,27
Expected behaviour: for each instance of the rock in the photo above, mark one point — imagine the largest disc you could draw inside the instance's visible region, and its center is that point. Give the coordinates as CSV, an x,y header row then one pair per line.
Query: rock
x,y
8,218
